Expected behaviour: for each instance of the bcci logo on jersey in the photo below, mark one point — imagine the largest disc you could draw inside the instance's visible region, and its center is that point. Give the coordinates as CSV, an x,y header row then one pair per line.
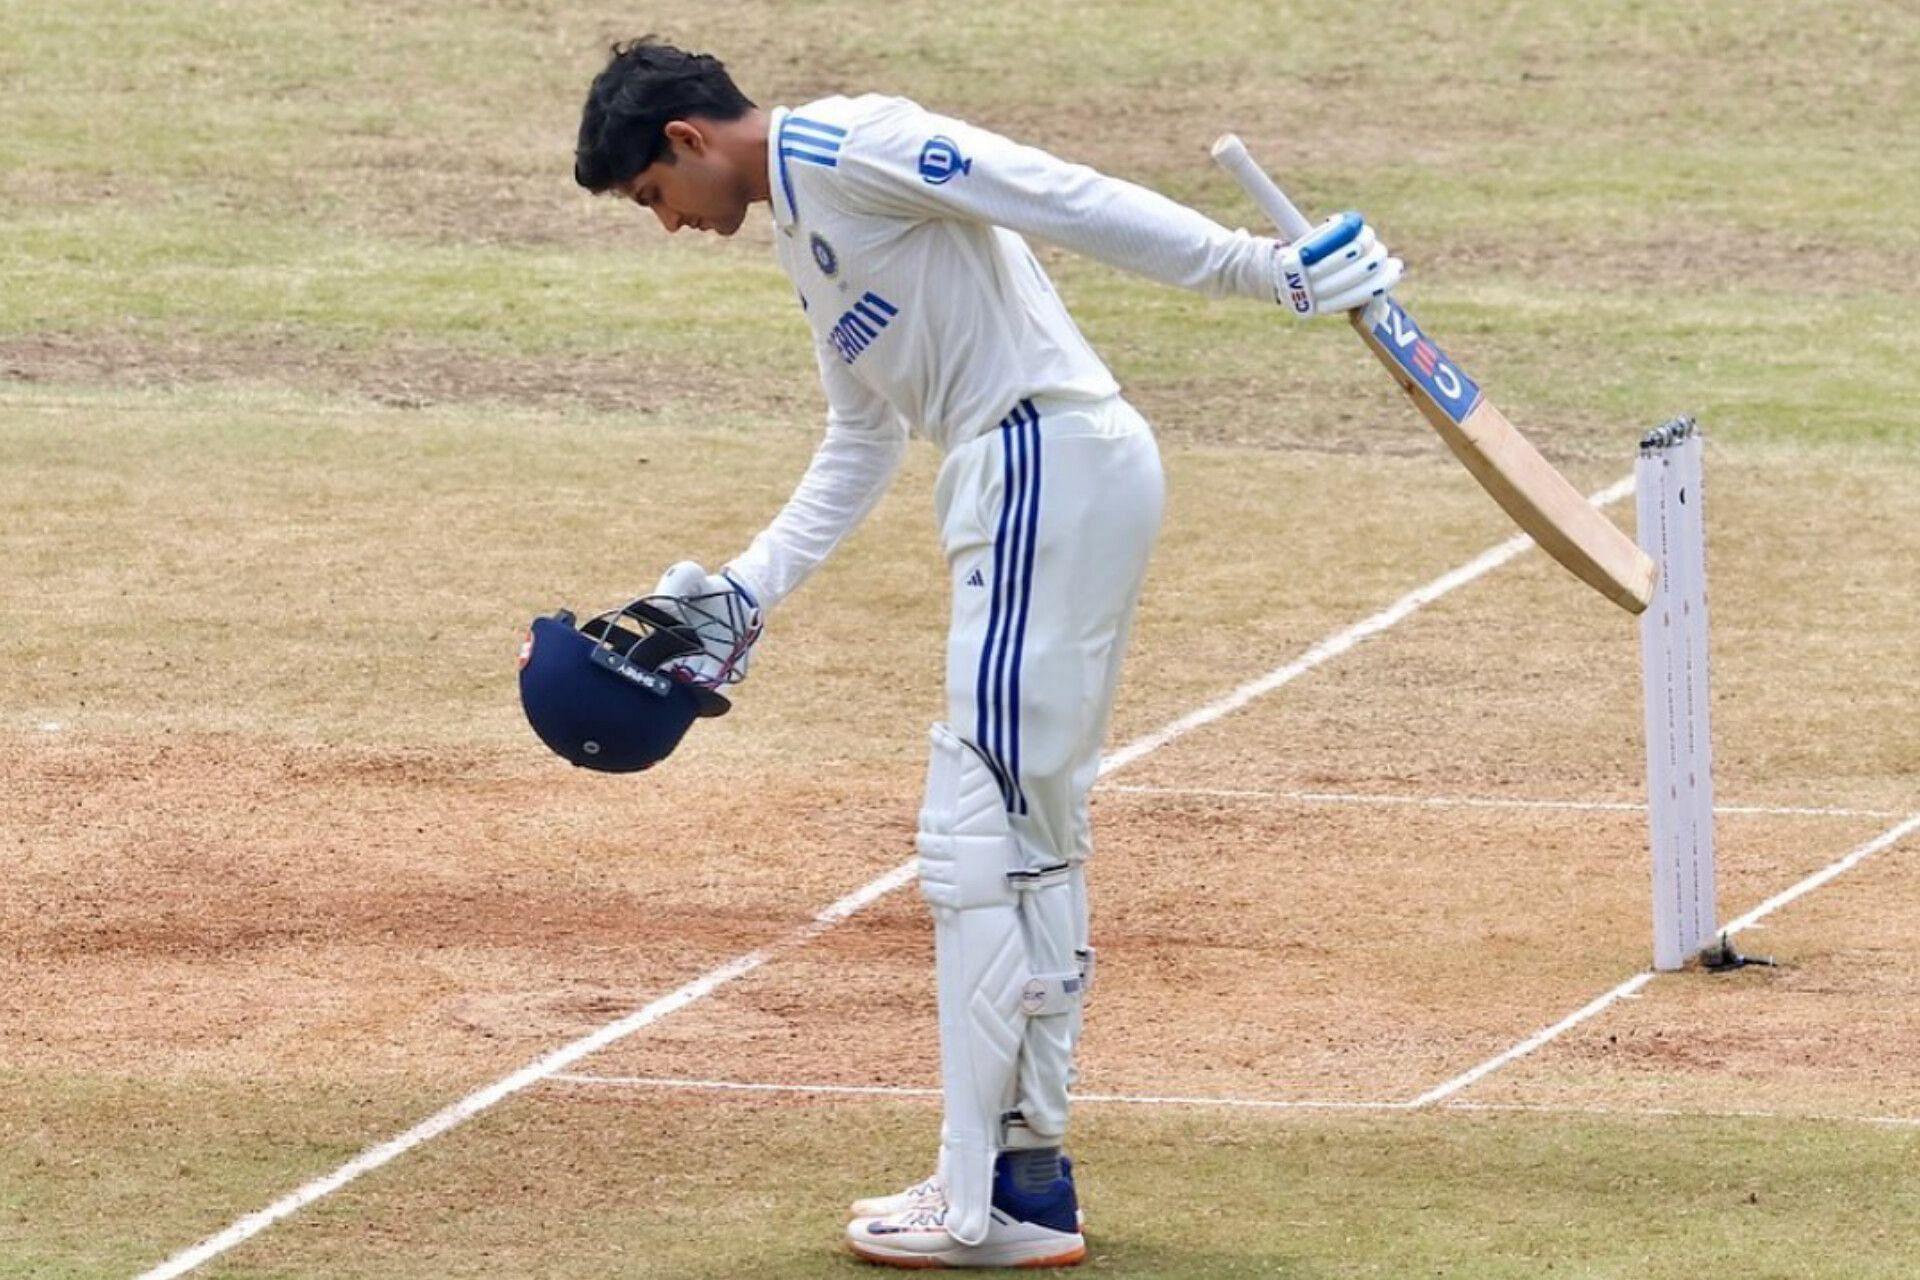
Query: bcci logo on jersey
x,y
823,255
941,161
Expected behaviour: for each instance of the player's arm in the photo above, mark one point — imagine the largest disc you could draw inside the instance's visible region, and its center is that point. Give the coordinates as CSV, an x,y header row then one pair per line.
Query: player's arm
x,y
906,162
849,472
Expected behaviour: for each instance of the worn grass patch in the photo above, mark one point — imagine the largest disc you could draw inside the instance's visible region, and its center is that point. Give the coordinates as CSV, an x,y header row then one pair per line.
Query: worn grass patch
x,y
1611,217
595,1181
104,1176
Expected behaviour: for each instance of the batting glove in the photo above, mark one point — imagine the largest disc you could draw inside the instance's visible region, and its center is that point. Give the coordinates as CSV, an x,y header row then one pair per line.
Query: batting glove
x,y
1337,266
723,615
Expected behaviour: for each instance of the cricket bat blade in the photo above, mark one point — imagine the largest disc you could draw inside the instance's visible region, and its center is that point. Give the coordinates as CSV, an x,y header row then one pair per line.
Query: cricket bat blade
x,y
1528,488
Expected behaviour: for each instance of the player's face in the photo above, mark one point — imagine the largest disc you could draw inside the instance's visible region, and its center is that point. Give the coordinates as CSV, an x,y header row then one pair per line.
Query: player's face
x,y
700,189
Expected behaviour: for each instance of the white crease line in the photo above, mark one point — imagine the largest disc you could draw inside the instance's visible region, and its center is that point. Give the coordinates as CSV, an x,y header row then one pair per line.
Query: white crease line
x,y
1479,802
474,1103
903,1091
441,1121
1678,1113
1893,835
747,1086
1253,1104
1532,1042
1885,839
1250,1104
1342,641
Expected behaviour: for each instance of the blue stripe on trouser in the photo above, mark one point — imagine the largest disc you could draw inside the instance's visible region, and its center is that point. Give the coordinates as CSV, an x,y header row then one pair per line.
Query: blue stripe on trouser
x,y
983,720
997,689
1026,593
1000,740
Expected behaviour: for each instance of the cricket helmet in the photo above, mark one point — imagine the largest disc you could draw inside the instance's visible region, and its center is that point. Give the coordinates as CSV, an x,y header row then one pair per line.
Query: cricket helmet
x,y
618,692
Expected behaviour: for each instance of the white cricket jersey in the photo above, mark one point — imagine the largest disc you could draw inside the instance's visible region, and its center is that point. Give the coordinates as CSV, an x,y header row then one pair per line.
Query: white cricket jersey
x,y
902,232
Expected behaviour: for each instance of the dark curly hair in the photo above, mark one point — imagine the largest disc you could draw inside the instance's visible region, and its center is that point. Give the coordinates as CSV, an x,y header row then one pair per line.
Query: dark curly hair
x,y
646,85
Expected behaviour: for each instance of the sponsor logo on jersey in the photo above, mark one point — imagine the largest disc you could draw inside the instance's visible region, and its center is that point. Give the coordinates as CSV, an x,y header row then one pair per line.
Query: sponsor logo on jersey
x,y
976,579
941,161
1425,363
856,330
823,255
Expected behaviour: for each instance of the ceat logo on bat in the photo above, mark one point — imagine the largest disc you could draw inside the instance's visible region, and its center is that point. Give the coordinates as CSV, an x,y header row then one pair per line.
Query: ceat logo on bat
x,y
1428,365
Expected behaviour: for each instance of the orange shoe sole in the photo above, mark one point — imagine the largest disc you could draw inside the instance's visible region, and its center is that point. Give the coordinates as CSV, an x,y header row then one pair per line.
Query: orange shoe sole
x,y
1070,1258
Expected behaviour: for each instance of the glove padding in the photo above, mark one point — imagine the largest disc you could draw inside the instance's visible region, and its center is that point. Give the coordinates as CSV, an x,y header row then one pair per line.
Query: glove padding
x,y
723,615
1337,266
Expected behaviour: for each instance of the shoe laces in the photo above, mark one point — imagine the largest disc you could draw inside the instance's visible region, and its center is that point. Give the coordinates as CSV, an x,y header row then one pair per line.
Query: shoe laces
x,y
929,1216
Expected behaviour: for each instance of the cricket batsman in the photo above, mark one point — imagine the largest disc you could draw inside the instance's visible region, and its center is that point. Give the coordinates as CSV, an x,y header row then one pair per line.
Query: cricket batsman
x,y
905,234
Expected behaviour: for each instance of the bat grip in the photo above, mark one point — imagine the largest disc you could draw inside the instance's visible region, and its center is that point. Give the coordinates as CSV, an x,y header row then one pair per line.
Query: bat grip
x,y
1231,154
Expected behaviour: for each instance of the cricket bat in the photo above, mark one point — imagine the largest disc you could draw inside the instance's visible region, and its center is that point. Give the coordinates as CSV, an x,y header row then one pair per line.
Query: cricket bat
x,y
1540,500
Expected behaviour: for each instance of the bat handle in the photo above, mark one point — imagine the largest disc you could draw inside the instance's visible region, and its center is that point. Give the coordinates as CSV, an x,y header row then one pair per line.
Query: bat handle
x,y
1231,154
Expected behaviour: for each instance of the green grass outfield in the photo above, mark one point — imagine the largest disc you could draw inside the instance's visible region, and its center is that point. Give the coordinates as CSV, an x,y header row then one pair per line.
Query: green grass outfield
x,y
673,1186
1608,216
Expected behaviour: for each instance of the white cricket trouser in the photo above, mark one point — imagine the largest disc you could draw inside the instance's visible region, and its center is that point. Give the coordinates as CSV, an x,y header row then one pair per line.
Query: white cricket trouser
x,y
1047,522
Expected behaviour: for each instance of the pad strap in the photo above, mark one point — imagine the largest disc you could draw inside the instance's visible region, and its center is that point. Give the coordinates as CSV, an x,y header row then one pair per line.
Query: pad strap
x,y
1046,994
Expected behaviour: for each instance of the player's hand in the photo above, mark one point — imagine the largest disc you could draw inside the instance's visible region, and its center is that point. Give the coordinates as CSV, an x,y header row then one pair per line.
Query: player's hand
x,y
1337,266
723,615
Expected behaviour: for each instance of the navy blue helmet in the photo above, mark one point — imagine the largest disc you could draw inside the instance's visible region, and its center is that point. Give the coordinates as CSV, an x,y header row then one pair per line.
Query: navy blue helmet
x,y
618,692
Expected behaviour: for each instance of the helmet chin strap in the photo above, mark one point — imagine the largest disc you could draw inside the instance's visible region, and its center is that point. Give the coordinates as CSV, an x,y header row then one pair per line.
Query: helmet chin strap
x,y
670,638
666,638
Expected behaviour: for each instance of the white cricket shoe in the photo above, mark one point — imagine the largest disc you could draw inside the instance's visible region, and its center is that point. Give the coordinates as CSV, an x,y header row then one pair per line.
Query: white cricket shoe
x,y
1023,1230
926,1190
929,1191
918,1239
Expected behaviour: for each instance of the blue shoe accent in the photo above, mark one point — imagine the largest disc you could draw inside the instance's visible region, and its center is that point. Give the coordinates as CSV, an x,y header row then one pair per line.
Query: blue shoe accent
x,y
1057,1208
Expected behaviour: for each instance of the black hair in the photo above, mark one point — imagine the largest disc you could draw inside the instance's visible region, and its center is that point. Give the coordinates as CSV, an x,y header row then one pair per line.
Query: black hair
x,y
646,85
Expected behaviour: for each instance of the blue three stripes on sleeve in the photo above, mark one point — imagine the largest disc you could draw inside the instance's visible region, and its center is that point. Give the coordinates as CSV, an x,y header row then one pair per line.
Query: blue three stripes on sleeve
x,y
997,694
809,142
